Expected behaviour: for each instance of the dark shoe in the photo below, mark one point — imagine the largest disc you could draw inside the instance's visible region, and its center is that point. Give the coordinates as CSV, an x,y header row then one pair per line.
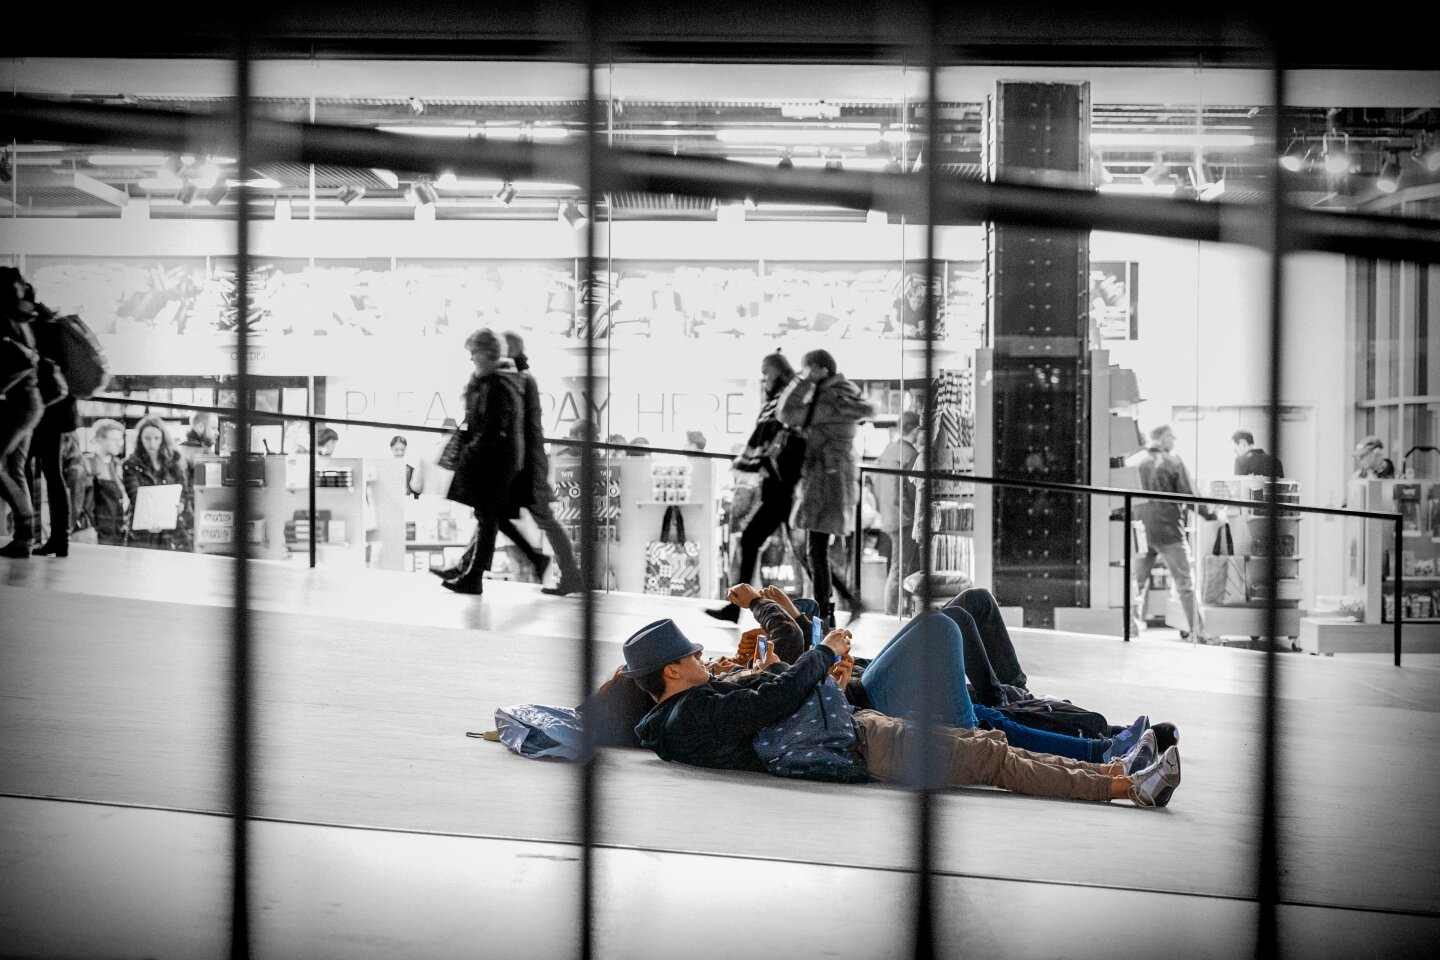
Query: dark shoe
x,y
561,589
541,565
1154,785
730,613
17,549
1127,739
1143,754
446,573
53,548
463,585
1167,735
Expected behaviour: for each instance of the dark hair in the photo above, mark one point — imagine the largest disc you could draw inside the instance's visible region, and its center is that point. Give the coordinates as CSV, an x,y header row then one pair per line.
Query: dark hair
x,y
821,358
325,435
1157,432
515,348
909,420
780,362
1245,435
485,341
652,683
399,439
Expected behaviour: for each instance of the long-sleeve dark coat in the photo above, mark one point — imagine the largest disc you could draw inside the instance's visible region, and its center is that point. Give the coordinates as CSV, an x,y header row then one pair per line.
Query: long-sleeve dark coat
x,y
492,454
533,485
63,415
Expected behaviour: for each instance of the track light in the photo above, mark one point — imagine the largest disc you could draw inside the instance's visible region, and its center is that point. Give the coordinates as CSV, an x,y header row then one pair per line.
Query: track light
x,y
1426,152
506,193
173,164
217,194
1294,157
1335,154
1389,179
570,213
785,163
1156,172
422,193
833,162
188,192
349,194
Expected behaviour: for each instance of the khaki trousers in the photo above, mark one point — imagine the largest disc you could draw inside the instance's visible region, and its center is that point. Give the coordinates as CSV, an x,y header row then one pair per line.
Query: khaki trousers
x,y
971,757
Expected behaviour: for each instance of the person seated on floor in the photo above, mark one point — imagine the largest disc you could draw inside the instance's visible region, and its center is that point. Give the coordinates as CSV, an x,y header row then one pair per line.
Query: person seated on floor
x,y
707,722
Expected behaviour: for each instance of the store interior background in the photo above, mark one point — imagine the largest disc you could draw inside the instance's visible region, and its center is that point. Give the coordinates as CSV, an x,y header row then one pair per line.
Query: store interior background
x,y
1200,353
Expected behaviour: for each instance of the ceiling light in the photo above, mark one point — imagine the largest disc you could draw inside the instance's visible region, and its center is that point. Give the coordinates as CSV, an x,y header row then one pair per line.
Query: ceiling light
x,y
877,218
217,194
422,193
1172,141
417,106
1389,179
730,213
896,136
506,193
259,183
414,130
785,163
446,180
99,190
350,193
206,175
1156,172
750,204
126,159
386,177
1335,156
525,132
188,192
833,162
570,213
1426,153
1294,157
172,165
1143,189
850,136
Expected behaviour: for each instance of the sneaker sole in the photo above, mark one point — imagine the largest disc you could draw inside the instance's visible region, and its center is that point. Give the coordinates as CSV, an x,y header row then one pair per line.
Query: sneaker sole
x,y
1162,799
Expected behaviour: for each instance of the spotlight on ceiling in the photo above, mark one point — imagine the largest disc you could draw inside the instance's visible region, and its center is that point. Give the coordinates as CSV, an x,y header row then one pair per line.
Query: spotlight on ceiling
x,y
173,164
1156,173
569,212
1294,157
833,162
188,192
1335,155
1427,152
350,193
506,193
217,193
1389,179
785,163
422,193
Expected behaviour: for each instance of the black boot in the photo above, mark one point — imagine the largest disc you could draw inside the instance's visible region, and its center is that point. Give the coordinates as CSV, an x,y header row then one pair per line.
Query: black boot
x,y
17,549
730,612
54,547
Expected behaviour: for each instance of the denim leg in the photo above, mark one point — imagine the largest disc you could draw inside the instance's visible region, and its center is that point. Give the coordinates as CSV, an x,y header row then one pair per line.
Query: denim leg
x,y
980,604
1036,740
977,661
929,650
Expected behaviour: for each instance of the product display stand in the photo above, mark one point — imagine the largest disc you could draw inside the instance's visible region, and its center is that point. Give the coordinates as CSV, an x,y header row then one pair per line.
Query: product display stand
x,y
1247,619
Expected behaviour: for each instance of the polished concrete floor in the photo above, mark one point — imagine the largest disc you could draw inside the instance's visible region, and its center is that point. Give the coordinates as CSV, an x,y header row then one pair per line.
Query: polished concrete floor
x,y
381,830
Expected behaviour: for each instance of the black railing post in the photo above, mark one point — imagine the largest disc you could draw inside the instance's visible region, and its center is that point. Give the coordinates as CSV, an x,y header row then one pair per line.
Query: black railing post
x,y
1128,536
1399,570
310,425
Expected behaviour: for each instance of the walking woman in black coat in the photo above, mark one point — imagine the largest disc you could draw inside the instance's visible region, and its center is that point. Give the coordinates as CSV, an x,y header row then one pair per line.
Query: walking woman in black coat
x,y
492,456
20,407
777,480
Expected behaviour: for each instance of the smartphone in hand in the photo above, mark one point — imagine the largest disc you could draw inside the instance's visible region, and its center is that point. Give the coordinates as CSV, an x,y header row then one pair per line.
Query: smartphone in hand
x,y
762,650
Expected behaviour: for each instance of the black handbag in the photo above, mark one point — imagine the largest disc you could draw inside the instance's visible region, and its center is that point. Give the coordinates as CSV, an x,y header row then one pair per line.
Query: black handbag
x,y
53,387
450,453
785,455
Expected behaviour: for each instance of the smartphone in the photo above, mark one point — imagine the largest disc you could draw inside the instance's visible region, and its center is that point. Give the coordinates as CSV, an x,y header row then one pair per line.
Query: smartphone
x,y
762,649
816,634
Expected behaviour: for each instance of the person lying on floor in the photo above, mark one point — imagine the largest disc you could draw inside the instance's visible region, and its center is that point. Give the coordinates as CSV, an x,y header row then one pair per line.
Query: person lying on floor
x,y
883,683
707,722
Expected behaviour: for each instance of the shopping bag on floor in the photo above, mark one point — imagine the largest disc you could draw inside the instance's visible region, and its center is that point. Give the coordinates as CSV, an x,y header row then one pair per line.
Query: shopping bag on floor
x,y
1223,573
536,730
672,563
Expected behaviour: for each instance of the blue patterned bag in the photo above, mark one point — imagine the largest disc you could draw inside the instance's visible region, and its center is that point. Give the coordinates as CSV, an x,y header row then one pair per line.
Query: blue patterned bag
x,y
816,742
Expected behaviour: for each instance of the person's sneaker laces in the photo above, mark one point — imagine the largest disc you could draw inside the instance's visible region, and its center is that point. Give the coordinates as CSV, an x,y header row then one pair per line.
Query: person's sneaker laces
x,y
1143,754
1157,780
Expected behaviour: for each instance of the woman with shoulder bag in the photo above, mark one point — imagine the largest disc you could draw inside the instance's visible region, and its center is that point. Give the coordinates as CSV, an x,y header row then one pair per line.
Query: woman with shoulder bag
x,y
104,509
20,407
770,452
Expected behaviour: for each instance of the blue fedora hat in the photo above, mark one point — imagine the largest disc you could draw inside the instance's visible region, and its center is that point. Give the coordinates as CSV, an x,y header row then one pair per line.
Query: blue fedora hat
x,y
654,645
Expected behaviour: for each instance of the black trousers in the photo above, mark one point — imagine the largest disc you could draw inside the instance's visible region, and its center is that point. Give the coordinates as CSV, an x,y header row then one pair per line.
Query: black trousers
x,y
45,453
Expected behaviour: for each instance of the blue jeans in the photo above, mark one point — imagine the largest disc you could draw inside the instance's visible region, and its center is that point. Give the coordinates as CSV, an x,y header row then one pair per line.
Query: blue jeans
x,y
931,650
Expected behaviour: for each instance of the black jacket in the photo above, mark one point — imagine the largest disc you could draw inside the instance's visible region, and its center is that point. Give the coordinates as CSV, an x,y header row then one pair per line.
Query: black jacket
x,y
492,452
714,724
1257,463
62,415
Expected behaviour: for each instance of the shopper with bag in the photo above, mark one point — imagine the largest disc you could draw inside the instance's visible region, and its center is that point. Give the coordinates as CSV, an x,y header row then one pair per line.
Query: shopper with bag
x,y
1167,538
20,407
827,409
774,452
491,453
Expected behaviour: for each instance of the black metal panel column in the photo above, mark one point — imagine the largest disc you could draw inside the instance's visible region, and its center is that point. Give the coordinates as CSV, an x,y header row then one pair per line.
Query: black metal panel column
x,y
1041,386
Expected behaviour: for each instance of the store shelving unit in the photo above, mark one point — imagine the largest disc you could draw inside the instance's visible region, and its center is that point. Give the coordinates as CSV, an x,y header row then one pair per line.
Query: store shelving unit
x,y
1247,526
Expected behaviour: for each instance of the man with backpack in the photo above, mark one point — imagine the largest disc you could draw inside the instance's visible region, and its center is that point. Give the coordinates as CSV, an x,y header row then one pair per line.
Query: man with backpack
x,y
20,406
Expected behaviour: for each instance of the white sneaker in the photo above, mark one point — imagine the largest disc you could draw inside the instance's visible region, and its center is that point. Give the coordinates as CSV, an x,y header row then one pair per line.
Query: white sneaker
x,y
1157,781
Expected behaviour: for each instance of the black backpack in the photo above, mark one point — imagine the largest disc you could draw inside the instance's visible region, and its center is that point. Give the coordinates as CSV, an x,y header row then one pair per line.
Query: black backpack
x,y
1058,716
